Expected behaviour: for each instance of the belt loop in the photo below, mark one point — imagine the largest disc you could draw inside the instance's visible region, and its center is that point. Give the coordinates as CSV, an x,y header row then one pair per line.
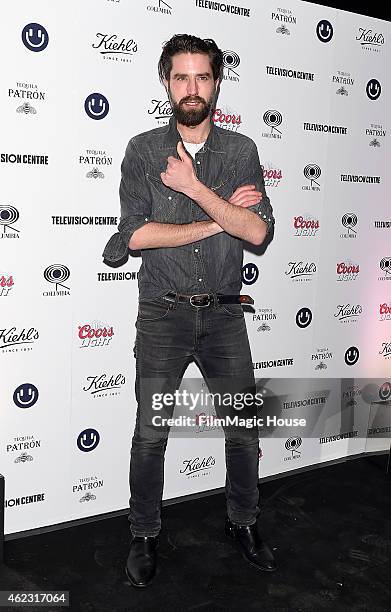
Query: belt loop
x,y
215,300
176,300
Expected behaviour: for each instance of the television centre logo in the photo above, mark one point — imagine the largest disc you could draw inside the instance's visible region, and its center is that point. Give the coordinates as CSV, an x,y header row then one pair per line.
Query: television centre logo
x,y
9,215
349,222
231,61
223,8
94,161
57,275
273,119
35,37
160,110
301,271
312,172
96,106
370,40
114,48
14,340
284,17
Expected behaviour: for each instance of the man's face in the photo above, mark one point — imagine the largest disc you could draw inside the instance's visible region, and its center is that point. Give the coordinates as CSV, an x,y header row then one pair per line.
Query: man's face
x,y
191,88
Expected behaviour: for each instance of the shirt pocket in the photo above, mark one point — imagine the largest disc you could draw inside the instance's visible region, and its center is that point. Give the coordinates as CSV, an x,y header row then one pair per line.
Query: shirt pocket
x,y
164,200
223,186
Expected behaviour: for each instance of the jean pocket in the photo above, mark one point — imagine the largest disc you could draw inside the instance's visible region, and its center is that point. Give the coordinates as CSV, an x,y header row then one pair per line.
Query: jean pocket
x,y
153,310
233,310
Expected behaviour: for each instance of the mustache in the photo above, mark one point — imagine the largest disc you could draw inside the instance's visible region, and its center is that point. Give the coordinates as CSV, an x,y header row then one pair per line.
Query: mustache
x,y
192,99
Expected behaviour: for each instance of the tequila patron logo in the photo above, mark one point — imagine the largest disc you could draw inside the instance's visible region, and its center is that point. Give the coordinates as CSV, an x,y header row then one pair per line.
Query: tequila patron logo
x,y
284,18
343,80
27,95
93,161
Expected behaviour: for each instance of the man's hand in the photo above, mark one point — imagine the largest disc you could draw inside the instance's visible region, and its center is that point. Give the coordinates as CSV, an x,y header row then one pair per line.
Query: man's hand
x,y
245,196
180,174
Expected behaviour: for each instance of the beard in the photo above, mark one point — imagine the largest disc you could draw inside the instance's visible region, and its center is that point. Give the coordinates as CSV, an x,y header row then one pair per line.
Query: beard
x,y
190,117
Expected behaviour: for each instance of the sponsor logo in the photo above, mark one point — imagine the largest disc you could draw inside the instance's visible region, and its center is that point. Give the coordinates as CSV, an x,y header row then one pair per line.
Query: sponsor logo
x,y
291,445
104,386
376,133
283,16
88,440
373,89
385,391
348,271
349,220
359,178
263,319
57,274
35,37
250,273
308,401
303,317
273,119
26,92
370,40
273,363
290,73
231,61
385,350
111,47
312,172
95,334
96,106
271,174
24,158
86,486
305,226
6,284
116,276
382,224
85,220
160,110
94,160
223,7
319,357
348,313
300,271
226,118
8,216
343,80
351,355
24,444
26,395
25,499
339,436
196,467
160,7
324,31
385,312
385,266
14,341
323,127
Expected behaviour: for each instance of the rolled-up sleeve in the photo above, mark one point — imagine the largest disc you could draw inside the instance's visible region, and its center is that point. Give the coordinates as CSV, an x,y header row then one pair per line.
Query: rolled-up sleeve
x,y
134,195
250,172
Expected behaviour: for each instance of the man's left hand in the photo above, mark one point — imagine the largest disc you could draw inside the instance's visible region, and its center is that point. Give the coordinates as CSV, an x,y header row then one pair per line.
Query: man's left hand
x,y
180,174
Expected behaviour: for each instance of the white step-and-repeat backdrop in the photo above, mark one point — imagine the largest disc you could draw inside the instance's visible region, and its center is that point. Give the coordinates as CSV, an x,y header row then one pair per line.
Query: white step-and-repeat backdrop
x,y
311,86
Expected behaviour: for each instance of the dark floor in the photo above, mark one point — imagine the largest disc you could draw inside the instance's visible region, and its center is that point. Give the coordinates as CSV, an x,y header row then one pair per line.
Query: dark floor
x,y
330,529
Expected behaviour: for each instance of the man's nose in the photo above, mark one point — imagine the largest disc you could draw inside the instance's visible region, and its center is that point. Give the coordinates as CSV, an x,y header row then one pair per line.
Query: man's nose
x,y
192,87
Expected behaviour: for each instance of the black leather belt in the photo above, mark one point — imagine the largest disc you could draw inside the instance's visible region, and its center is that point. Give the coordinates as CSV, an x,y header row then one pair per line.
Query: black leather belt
x,y
201,300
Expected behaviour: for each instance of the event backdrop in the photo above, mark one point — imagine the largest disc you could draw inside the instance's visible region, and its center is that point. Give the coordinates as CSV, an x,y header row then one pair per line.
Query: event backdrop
x,y
311,86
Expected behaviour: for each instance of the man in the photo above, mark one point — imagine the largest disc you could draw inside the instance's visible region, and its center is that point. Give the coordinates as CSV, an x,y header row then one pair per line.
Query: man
x,y
190,194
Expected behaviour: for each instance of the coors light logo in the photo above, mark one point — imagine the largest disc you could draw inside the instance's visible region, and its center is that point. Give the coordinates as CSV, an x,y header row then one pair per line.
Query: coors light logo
x,y
305,225
95,334
347,271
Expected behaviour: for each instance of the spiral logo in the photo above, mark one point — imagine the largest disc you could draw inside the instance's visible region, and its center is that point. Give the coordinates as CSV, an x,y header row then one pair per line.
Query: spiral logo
x,y
273,119
385,265
8,215
349,220
57,274
231,60
292,444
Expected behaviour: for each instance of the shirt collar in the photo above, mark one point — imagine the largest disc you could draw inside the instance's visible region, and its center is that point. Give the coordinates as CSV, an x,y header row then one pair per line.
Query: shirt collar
x,y
172,136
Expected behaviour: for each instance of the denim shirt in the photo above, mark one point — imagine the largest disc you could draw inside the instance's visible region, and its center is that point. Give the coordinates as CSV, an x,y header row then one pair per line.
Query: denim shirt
x,y
226,161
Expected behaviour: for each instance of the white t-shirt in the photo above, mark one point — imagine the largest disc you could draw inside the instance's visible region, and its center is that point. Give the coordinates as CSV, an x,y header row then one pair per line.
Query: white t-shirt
x,y
192,147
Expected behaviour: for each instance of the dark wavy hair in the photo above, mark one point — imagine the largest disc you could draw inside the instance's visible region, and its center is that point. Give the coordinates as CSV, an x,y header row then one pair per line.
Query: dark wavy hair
x,y
186,43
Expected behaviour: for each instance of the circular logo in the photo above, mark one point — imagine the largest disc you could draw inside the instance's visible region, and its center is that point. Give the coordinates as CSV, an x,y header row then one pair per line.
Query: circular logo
x,y
8,215
385,264
35,37
349,220
373,89
57,273
312,171
272,118
293,443
88,440
351,355
324,31
231,59
250,274
96,106
303,317
26,395
385,391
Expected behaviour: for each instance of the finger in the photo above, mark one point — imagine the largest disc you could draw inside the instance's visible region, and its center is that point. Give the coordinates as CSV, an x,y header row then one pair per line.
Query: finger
x,y
244,188
181,151
245,192
239,200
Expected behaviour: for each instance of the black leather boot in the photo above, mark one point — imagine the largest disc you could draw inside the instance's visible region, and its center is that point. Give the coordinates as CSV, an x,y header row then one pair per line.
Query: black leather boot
x,y
141,564
250,544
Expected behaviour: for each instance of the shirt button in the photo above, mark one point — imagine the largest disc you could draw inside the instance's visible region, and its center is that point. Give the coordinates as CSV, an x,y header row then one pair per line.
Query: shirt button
x,y
200,280
195,250
198,162
146,219
170,197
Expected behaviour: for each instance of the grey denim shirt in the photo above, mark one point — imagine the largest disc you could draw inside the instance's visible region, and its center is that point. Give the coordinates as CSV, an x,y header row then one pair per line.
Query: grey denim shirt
x,y
226,161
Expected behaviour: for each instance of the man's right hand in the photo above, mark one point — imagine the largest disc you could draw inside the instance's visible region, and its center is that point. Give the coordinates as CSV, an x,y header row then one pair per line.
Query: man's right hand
x,y
245,196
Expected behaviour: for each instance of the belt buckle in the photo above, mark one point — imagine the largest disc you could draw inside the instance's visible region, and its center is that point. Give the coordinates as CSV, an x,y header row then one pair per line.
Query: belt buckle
x,y
199,295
